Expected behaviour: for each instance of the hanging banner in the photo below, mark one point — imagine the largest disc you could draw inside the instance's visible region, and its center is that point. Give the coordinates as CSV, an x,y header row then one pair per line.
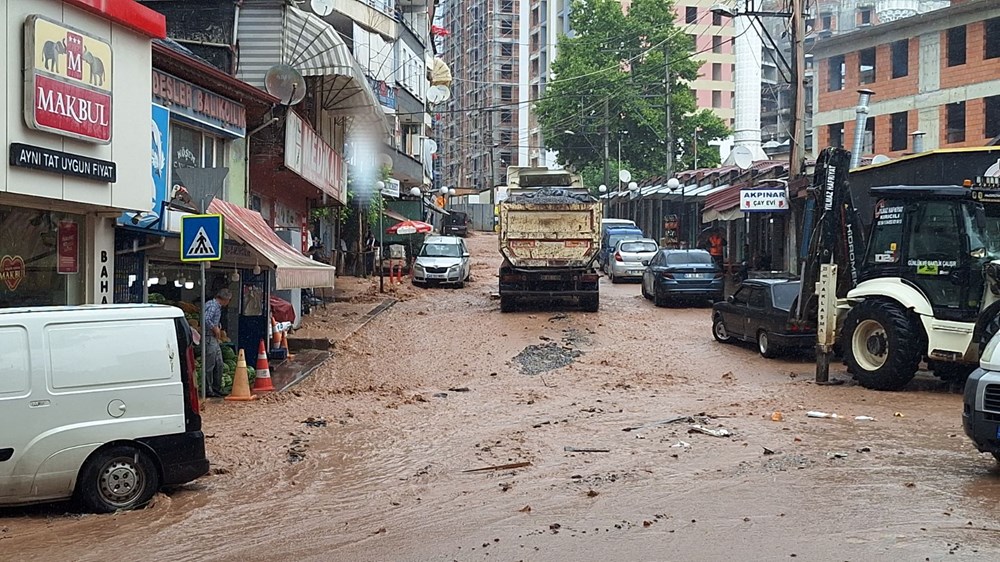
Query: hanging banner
x,y
68,261
763,200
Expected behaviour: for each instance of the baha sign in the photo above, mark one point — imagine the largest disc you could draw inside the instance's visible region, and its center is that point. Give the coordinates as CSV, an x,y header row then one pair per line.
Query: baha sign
x,y
763,200
67,81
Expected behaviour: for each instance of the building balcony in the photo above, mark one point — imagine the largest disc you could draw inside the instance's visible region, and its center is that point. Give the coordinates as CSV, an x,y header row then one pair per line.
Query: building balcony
x,y
406,168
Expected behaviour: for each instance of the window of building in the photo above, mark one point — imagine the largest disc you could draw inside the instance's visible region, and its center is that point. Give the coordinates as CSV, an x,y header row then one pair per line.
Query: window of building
x,y
716,19
506,93
506,71
694,41
866,65
864,16
956,45
868,144
33,235
534,68
504,138
991,39
716,98
991,114
534,16
506,49
900,51
505,116
534,41
716,71
837,69
505,159
507,6
955,129
716,44
691,14
506,27
826,22
835,134
899,131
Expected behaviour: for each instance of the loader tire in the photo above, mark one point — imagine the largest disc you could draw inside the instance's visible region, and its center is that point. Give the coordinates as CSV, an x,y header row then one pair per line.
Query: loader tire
x,y
884,345
987,326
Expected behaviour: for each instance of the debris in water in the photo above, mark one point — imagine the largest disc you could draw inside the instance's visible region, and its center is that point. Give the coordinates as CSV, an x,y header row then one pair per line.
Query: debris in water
x,y
380,531
525,509
687,419
776,416
499,467
315,422
768,451
440,395
459,389
910,485
897,414
713,432
592,493
837,455
815,414
585,450
681,444
865,450
647,523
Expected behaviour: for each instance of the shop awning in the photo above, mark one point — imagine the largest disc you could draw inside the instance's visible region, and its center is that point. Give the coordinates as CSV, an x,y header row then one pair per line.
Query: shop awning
x,y
292,269
429,204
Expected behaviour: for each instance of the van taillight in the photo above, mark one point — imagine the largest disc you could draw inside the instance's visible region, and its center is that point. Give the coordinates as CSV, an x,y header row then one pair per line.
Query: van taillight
x,y
193,380
666,275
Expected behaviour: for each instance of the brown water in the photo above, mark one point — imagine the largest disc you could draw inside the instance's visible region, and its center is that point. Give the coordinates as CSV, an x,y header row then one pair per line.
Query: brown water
x,y
384,479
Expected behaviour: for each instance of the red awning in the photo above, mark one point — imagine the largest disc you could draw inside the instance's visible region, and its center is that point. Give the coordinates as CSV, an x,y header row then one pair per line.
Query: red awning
x,y
726,199
292,269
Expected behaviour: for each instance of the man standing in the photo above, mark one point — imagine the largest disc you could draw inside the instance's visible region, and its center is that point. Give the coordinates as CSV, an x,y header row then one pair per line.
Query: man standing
x,y
212,323
717,247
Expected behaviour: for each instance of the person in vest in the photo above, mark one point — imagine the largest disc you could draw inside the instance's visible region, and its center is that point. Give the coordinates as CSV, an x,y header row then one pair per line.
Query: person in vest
x,y
717,247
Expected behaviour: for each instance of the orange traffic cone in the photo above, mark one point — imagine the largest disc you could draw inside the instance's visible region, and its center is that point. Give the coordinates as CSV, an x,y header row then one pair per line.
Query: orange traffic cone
x,y
263,381
284,345
241,381
275,335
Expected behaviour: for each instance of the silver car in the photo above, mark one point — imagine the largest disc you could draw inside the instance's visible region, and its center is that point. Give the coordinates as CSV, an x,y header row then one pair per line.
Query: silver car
x,y
444,260
625,261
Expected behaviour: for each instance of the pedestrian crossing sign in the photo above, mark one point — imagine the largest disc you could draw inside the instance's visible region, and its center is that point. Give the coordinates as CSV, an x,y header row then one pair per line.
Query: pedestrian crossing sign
x,y
201,238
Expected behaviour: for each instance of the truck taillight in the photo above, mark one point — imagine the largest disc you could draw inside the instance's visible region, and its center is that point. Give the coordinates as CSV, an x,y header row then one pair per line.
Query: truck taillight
x,y
589,278
618,256
511,277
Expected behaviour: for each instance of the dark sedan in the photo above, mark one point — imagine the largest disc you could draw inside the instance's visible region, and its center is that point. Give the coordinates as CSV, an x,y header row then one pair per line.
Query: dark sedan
x,y
675,274
759,311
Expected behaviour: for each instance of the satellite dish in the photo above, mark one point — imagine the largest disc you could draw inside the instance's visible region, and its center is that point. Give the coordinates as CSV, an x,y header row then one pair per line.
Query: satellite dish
x,y
624,176
880,159
437,94
742,157
432,146
322,8
285,83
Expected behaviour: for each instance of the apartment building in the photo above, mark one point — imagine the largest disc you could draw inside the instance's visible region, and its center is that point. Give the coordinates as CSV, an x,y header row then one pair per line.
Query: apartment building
x,y
937,73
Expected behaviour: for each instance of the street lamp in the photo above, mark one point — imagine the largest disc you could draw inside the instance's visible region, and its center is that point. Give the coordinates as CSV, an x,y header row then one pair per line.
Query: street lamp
x,y
603,189
380,185
672,185
415,191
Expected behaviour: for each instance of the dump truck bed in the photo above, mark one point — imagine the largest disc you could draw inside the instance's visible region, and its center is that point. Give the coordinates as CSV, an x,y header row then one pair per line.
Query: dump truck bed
x,y
550,235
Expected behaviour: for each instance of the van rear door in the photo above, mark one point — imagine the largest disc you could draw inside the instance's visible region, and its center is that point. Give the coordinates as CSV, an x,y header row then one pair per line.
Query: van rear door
x,y
19,423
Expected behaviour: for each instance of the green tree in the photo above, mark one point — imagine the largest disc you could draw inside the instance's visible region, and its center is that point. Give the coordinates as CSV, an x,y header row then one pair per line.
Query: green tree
x,y
616,62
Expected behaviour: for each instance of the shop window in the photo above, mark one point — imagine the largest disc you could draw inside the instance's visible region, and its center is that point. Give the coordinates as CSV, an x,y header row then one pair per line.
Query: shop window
x,y
955,131
991,39
900,131
900,58
36,245
192,148
866,65
691,14
991,114
835,134
956,46
836,69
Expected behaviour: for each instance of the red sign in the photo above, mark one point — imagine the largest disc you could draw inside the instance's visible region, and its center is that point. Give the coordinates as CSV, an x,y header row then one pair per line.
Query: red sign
x,y
12,271
304,230
71,109
68,260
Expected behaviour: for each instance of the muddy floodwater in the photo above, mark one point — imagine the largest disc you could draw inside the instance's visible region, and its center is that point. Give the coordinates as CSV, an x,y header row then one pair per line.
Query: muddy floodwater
x,y
627,434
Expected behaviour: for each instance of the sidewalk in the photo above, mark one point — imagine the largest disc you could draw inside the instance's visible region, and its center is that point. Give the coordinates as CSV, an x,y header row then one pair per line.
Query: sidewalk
x,y
356,302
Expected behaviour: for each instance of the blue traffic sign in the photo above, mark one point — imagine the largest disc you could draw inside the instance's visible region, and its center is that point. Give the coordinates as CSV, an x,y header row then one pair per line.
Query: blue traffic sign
x,y
201,238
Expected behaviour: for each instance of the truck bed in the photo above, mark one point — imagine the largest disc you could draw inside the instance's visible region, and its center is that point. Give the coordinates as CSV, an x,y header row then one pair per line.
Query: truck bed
x,y
559,235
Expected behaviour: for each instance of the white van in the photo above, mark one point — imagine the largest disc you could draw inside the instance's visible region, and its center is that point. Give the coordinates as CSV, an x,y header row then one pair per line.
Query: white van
x,y
97,403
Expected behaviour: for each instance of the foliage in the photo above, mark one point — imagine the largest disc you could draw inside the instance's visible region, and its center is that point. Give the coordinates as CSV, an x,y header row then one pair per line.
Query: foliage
x,y
589,70
365,198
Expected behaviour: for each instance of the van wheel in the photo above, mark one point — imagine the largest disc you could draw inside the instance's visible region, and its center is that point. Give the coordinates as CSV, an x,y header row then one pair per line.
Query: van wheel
x,y
117,478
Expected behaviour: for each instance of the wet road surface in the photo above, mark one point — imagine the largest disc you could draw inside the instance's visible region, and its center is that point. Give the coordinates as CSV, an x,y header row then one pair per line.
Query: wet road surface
x,y
443,383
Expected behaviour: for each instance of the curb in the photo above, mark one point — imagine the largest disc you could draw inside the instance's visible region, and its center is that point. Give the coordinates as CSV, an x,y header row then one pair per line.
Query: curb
x,y
371,315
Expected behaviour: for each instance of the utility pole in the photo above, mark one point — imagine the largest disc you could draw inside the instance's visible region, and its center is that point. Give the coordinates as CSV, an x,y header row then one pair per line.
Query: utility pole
x,y
607,178
797,152
667,144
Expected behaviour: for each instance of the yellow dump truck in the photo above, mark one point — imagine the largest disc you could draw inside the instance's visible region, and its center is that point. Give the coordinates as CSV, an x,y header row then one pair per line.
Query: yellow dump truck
x,y
550,235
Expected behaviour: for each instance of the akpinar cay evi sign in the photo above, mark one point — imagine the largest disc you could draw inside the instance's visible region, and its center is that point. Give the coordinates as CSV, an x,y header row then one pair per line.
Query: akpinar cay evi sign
x,y
67,81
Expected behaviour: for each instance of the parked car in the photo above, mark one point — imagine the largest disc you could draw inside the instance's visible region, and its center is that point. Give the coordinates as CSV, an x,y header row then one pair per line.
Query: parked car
x,y
627,257
98,403
981,408
442,260
456,223
759,311
674,274
608,224
610,239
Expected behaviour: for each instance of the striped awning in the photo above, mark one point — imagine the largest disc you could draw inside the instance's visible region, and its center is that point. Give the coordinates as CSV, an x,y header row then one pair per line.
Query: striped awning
x,y
292,269
315,48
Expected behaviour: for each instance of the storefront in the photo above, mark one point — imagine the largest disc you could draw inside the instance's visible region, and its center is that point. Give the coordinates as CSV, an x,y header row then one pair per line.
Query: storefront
x,y
74,157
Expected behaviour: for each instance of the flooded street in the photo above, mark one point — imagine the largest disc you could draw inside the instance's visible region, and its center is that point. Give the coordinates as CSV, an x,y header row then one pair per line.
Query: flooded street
x,y
374,456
